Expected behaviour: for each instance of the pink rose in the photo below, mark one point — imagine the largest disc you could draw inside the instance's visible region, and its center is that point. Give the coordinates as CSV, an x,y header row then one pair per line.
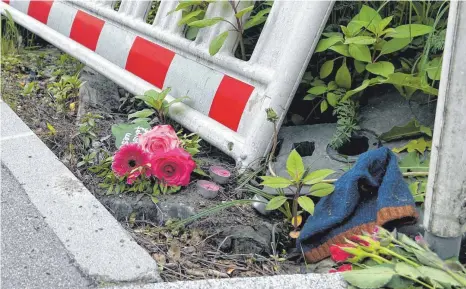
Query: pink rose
x,y
173,167
160,139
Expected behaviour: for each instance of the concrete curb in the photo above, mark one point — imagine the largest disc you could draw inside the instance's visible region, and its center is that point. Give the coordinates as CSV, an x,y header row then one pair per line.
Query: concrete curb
x,y
298,281
97,243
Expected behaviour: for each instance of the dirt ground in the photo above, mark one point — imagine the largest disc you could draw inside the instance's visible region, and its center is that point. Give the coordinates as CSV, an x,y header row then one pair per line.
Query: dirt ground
x,y
197,251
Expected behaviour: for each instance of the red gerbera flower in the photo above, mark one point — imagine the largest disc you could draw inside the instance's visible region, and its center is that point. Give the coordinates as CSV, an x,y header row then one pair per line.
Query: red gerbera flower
x,y
342,268
127,159
338,255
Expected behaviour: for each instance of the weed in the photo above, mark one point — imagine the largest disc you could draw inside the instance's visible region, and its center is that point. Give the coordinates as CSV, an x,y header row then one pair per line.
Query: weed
x,y
11,39
157,104
87,129
65,91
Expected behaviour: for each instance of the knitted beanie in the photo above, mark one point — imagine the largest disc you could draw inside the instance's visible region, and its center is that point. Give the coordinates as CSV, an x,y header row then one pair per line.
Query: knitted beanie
x,y
371,194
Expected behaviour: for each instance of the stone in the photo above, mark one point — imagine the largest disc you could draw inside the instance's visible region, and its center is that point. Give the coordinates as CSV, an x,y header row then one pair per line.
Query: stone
x,y
384,111
242,239
124,205
97,92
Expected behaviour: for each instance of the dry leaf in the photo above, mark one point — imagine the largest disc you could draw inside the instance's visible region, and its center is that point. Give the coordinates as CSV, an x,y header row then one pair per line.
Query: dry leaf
x,y
175,251
230,270
294,234
159,258
299,220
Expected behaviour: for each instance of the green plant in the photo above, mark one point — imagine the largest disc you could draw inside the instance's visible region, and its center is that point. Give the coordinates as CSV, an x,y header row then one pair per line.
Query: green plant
x,y
154,7
195,18
157,104
88,159
87,129
30,88
11,39
190,142
299,177
65,90
347,123
369,43
393,260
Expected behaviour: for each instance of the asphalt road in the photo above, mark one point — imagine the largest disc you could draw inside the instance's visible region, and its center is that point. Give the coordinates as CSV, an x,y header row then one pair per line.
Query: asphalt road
x,y
31,255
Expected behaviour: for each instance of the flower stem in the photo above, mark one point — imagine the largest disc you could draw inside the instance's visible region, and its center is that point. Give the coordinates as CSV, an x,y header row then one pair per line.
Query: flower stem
x,y
462,281
390,252
378,258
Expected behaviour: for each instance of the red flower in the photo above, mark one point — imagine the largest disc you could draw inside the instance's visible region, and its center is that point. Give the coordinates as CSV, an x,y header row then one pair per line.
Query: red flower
x,y
359,240
127,159
338,255
174,167
342,268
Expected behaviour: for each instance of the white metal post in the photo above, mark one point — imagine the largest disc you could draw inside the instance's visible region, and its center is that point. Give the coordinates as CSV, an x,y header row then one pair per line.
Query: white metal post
x,y
445,203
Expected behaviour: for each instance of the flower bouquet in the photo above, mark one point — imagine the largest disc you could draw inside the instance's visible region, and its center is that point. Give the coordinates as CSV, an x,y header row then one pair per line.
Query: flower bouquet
x,y
393,260
156,155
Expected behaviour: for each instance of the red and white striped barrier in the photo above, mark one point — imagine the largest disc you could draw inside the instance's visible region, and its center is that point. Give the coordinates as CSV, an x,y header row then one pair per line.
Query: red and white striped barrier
x,y
227,96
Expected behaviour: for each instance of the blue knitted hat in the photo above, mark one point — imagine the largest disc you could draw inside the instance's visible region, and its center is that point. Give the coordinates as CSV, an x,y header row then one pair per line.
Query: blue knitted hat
x,y
371,194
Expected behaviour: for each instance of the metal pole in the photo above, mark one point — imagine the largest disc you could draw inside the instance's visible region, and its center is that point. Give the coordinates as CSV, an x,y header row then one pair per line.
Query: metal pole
x,y
445,205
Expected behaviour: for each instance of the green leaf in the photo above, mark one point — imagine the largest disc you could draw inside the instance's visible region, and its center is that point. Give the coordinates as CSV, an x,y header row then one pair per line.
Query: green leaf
x,y
368,14
410,129
191,32
332,85
310,97
412,162
410,31
420,145
317,90
51,129
141,114
343,76
383,68
257,19
342,49
359,66
217,43
275,182
408,241
186,4
360,40
411,82
383,24
360,52
244,11
190,17
394,45
399,282
434,68
326,68
371,278
332,99
427,130
126,133
317,176
323,105
275,203
321,189
326,43
154,199
200,172
295,165
407,270
438,275
307,204
206,22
